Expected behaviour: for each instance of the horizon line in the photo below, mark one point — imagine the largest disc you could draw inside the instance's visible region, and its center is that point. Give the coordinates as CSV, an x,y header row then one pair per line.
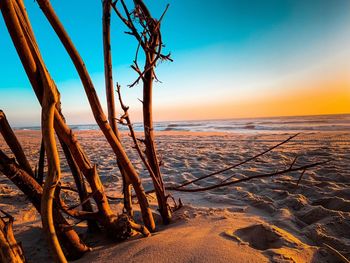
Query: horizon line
x,y
213,119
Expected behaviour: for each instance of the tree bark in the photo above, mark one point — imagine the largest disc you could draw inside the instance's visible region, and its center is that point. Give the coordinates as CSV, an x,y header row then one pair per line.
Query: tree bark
x,y
150,41
107,52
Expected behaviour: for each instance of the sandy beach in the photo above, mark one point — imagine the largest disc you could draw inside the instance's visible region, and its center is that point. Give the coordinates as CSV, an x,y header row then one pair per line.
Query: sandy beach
x,y
239,122
263,220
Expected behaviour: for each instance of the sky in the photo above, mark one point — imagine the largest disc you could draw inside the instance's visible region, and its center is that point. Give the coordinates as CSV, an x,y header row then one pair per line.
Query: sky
x,y
232,59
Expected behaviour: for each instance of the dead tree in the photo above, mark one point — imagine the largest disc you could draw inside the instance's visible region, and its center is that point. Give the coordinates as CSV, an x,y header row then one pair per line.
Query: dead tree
x,y
106,20
150,41
10,250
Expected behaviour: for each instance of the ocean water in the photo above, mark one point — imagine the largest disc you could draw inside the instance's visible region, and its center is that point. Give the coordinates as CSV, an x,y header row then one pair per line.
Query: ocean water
x,y
249,125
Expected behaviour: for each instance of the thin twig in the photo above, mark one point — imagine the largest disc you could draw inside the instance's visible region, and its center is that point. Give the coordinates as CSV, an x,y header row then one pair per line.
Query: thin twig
x,y
236,165
135,140
336,253
301,175
247,178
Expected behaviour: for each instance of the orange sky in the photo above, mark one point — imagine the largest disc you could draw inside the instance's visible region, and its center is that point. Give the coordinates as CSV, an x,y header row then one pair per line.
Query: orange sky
x,y
319,97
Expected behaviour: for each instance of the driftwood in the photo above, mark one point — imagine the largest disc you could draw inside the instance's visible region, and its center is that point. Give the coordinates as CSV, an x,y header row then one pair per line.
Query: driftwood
x,y
80,184
125,120
228,181
41,164
106,20
73,246
99,115
284,171
336,253
14,144
150,41
10,250
22,37
237,165
33,190
50,99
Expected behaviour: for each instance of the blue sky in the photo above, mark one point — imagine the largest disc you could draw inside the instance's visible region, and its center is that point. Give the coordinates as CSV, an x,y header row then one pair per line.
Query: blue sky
x,y
231,59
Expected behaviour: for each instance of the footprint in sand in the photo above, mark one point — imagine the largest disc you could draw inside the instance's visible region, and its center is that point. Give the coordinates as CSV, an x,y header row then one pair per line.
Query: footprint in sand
x,y
263,237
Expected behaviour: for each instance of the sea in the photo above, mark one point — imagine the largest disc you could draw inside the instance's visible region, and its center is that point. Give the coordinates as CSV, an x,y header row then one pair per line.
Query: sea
x,y
312,123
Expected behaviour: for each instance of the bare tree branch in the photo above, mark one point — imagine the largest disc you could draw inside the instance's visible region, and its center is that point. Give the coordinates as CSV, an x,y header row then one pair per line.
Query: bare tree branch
x,y
304,167
238,164
13,143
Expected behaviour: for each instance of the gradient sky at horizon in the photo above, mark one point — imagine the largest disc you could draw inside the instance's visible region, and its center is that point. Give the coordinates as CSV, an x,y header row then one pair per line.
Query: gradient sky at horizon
x,y
232,58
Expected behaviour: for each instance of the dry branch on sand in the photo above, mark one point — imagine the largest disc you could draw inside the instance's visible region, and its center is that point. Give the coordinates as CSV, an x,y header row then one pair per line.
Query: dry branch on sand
x,y
10,249
73,246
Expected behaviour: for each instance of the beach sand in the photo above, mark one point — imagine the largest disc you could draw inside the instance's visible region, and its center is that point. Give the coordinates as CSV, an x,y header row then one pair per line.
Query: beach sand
x,y
263,220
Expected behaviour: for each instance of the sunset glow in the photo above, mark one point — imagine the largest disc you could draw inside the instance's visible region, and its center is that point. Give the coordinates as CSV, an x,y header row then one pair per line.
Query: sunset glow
x,y
253,60
175,131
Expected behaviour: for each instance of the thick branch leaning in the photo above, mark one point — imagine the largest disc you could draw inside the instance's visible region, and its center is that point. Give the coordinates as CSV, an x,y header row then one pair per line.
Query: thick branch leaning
x,y
14,144
106,19
54,173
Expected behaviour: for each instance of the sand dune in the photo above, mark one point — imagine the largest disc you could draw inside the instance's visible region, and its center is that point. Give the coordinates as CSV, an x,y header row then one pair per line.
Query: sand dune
x,y
258,221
